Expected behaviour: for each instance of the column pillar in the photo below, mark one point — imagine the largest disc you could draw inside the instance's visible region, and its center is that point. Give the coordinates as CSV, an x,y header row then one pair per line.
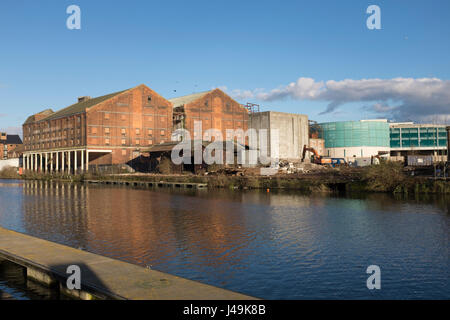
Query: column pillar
x,y
62,162
75,162
46,162
69,170
82,161
35,162
57,161
87,160
51,162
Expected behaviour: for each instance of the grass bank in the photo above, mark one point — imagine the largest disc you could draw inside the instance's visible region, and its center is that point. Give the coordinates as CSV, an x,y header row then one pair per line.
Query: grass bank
x,y
387,177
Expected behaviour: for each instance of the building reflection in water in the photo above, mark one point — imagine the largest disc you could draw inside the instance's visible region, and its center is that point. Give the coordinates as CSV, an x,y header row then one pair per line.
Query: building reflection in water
x,y
275,242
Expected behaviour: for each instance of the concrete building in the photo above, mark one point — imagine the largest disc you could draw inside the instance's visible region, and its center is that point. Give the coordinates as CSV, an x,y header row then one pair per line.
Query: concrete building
x,y
9,144
408,138
355,139
293,133
215,110
102,131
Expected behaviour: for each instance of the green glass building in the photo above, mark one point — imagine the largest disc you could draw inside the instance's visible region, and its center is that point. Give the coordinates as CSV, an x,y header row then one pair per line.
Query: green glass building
x,y
370,133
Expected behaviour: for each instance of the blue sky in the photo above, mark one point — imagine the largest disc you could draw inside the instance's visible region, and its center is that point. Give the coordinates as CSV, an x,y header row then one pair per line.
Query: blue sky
x,y
248,47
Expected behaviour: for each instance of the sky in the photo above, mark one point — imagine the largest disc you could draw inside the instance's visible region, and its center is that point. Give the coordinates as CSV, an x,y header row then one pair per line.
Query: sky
x,y
312,57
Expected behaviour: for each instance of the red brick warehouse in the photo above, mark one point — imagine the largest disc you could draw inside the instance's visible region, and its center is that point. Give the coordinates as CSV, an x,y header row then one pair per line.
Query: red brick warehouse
x,y
215,109
107,130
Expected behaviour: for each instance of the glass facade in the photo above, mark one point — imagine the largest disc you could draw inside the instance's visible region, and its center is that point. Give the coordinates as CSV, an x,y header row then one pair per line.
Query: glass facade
x,y
415,136
355,134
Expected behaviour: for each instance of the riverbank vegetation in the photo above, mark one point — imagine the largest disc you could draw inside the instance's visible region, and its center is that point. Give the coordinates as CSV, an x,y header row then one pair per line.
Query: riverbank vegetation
x,y
9,173
388,177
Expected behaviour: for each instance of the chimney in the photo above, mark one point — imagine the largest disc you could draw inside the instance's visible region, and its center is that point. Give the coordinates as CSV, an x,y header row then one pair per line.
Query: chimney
x,y
3,136
83,99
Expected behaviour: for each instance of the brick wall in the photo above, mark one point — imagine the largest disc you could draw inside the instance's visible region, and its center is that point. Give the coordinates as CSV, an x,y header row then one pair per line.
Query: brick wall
x,y
216,110
136,118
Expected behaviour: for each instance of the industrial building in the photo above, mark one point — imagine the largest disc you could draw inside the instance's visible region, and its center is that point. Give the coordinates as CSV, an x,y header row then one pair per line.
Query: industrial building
x,y
102,131
355,139
215,110
9,146
293,133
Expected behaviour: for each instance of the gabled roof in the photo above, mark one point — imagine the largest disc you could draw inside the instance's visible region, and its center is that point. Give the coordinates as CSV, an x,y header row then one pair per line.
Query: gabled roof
x,y
13,139
44,113
76,108
82,106
180,101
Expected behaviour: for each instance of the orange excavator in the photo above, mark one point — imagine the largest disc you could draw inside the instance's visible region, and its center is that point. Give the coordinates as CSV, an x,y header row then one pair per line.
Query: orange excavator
x,y
317,159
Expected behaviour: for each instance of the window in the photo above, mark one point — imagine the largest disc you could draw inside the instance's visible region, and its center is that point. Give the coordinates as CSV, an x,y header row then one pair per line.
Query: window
x,y
149,98
163,132
124,152
138,131
150,132
107,141
107,130
123,142
106,116
150,142
94,130
124,131
138,142
122,117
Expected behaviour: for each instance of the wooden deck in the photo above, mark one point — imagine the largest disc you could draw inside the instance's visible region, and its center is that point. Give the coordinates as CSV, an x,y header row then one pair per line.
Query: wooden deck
x,y
161,184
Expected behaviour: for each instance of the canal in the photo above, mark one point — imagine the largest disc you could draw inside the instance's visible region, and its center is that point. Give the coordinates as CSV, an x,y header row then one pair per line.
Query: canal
x,y
271,245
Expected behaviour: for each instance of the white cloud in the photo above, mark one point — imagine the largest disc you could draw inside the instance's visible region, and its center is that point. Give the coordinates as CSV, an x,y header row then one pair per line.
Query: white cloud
x,y
398,98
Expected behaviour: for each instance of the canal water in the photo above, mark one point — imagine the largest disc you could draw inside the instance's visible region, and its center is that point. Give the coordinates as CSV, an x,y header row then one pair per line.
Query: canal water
x,y
271,245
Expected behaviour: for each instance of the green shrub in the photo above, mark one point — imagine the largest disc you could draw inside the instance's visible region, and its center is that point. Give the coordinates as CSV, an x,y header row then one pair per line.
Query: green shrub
x,y
384,177
9,173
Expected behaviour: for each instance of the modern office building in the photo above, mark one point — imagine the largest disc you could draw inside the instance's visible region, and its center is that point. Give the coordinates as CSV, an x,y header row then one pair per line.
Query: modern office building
x,y
408,138
355,139
448,143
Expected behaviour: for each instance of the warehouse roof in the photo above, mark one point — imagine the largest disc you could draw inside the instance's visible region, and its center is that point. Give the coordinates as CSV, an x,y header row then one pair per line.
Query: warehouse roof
x,y
44,114
180,101
72,109
168,146
82,106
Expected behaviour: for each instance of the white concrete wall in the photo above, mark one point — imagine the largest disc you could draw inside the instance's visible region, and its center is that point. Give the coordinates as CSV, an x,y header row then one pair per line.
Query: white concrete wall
x,y
292,132
349,152
9,163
